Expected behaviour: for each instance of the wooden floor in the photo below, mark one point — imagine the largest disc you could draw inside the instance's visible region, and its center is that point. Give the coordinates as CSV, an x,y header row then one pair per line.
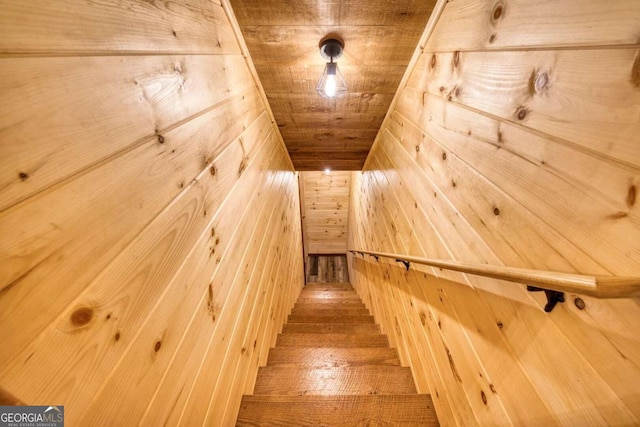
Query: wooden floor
x,y
332,366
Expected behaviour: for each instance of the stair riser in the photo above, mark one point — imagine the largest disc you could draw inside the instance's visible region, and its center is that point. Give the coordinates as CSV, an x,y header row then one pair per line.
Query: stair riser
x,y
330,319
331,340
332,366
327,288
330,295
324,305
331,357
406,411
333,312
331,328
275,380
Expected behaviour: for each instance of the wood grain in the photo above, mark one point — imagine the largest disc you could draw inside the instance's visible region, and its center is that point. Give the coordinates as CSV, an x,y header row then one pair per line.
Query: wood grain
x,y
305,119
481,24
143,99
345,410
326,207
325,328
277,380
293,339
548,91
506,148
332,356
35,26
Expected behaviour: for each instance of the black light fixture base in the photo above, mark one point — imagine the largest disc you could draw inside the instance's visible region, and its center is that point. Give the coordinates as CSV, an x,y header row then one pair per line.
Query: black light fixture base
x,y
331,48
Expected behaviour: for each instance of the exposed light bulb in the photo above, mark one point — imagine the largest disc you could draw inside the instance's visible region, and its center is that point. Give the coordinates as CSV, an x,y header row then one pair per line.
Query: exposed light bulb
x,y
330,86
332,82
327,171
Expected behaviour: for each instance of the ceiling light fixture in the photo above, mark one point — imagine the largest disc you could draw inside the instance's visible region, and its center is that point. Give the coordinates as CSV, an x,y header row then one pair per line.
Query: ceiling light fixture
x,y
332,83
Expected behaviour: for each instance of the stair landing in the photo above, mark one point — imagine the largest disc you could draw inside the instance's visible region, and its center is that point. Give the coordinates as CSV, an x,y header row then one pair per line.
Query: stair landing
x,y
331,366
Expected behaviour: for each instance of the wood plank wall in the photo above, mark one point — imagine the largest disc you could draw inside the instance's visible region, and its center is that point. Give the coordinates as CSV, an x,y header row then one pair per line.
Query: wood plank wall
x,y
327,269
515,141
325,202
139,173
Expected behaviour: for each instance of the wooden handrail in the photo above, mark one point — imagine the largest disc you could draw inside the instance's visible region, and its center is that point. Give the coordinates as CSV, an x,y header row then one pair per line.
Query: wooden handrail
x,y
595,286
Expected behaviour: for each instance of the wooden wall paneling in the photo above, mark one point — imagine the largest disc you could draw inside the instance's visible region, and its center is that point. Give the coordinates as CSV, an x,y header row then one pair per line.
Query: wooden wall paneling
x,y
392,215
553,350
327,269
578,193
228,387
577,189
294,274
326,204
609,181
212,368
76,27
163,244
284,287
100,222
491,206
625,310
482,24
232,387
133,137
229,235
454,346
142,98
564,201
181,378
440,394
384,309
398,302
303,217
549,91
173,321
475,316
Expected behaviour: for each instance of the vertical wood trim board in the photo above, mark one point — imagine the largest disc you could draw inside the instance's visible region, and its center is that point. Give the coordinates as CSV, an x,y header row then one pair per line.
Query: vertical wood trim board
x,y
513,140
151,241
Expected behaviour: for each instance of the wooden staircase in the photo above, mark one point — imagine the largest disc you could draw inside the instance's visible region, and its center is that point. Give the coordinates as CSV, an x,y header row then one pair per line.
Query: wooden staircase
x,y
332,366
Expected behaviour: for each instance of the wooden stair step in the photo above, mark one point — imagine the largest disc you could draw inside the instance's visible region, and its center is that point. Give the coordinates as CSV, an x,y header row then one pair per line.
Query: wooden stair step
x,y
297,311
401,410
365,379
307,357
331,305
331,328
328,318
327,300
331,340
329,295
328,287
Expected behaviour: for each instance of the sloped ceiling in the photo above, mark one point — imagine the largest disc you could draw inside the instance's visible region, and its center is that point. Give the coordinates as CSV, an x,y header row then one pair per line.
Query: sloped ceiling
x,y
283,36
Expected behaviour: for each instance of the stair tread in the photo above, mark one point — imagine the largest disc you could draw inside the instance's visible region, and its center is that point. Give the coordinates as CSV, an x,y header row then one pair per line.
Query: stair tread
x,y
297,311
328,286
331,340
327,357
332,366
365,379
405,410
328,318
329,328
312,294
330,305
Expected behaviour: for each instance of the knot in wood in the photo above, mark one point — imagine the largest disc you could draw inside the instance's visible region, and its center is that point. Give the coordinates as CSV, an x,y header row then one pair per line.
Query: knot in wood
x,y
81,316
541,82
